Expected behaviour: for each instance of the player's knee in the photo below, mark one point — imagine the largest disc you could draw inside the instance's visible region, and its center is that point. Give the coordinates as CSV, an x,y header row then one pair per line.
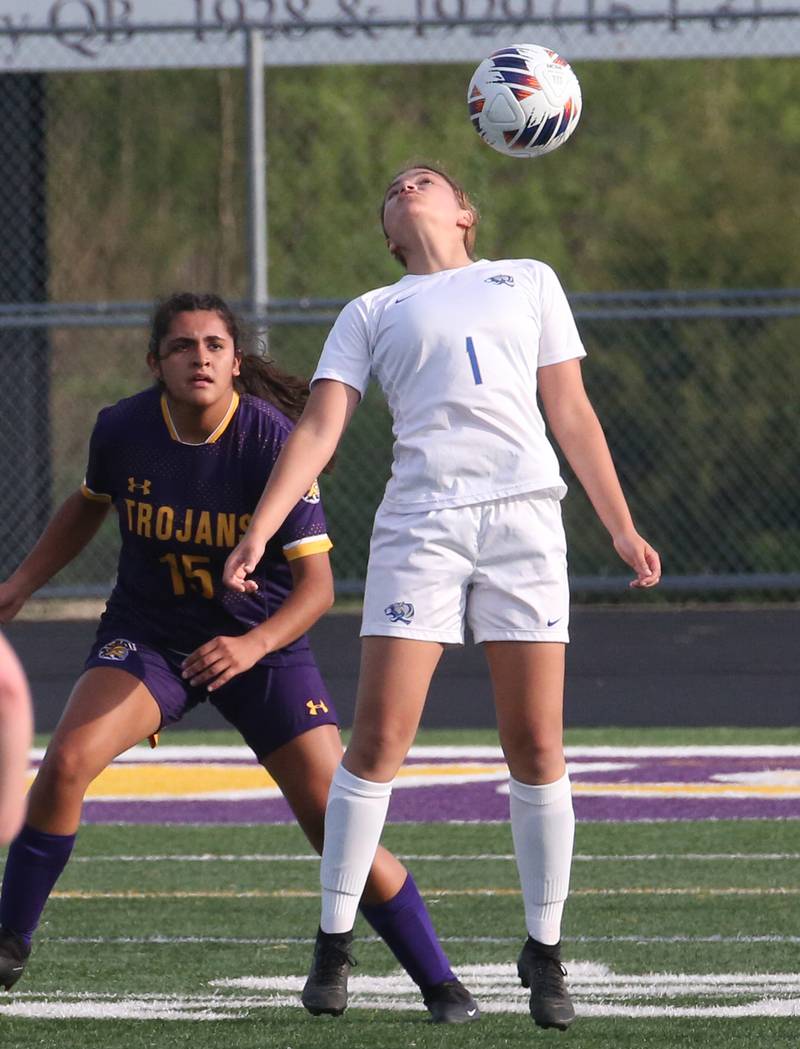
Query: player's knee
x,y
376,754
535,761
64,772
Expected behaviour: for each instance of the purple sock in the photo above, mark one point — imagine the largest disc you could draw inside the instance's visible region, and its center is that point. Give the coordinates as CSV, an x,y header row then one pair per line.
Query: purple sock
x,y
405,925
35,861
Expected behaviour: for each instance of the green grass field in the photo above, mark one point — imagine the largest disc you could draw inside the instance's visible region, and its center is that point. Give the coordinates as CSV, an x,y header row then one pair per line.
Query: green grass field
x,y
148,921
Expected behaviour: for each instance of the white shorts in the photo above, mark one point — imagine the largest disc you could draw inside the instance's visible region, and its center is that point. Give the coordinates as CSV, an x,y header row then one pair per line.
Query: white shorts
x,y
500,566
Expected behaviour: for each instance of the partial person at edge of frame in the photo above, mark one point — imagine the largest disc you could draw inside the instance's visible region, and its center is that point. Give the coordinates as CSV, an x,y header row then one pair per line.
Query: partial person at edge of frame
x,y
16,731
184,462
469,528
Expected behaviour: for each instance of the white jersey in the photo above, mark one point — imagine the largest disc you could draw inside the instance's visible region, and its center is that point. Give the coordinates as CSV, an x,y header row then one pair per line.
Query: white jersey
x,y
456,354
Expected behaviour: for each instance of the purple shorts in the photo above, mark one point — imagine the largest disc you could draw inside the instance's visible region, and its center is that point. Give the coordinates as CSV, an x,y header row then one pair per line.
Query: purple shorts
x,y
268,705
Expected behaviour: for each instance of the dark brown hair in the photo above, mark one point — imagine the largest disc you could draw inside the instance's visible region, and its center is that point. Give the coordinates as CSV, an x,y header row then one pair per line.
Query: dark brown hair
x,y
461,196
259,375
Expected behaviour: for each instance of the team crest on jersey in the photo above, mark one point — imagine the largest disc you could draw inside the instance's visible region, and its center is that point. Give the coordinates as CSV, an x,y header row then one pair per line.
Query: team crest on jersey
x,y
500,278
117,650
312,495
400,612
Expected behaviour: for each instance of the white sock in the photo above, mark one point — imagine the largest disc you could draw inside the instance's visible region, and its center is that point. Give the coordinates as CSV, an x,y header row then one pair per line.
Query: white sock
x,y
543,828
354,820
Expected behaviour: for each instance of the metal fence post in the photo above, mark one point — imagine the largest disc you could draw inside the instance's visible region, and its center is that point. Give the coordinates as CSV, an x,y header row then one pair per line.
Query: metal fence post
x,y
257,176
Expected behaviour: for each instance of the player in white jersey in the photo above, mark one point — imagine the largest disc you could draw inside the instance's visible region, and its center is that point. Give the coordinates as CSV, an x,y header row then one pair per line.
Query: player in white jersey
x,y
469,530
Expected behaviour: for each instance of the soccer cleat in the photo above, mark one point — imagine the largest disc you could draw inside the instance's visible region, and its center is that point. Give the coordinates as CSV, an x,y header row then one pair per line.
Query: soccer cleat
x,y
450,1003
326,987
539,967
14,954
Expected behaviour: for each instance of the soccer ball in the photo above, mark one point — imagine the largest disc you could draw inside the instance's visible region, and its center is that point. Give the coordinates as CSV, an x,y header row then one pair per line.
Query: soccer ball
x,y
524,100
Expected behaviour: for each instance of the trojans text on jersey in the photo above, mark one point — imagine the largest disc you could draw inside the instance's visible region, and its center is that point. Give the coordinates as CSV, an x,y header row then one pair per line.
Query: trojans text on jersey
x,y
199,527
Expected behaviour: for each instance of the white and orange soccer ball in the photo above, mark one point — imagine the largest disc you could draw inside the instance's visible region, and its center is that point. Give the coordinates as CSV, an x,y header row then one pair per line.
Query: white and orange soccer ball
x,y
524,100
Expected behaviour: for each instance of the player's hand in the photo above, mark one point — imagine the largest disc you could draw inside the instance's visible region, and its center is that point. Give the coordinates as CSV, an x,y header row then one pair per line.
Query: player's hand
x,y
218,660
241,562
642,558
11,601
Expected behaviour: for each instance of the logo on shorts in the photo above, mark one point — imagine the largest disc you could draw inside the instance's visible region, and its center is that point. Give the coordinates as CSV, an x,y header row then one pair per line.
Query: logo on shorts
x,y
500,278
315,709
116,650
312,495
400,612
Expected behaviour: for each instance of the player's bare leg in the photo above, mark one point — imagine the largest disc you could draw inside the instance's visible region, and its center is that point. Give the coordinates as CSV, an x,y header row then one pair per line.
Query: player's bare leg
x,y
108,712
528,684
528,681
391,903
394,679
393,684
303,769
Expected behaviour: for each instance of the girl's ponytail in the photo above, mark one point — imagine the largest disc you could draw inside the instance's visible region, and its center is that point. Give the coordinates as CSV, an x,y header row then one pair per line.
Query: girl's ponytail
x,y
261,378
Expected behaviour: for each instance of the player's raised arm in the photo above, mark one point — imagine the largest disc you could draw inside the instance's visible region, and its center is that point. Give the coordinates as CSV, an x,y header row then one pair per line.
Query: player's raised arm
x,y
307,452
580,436
71,528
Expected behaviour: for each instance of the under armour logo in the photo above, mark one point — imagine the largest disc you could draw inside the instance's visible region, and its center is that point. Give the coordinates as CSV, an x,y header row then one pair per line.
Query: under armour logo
x,y
144,487
500,278
315,709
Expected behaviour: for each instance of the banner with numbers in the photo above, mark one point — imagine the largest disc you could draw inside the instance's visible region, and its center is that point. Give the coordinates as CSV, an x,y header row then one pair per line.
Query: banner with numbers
x,y
131,34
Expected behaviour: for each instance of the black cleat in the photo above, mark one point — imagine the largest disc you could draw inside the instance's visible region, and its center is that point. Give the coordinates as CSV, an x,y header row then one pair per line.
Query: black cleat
x,y
539,967
14,954
450,1003
326,987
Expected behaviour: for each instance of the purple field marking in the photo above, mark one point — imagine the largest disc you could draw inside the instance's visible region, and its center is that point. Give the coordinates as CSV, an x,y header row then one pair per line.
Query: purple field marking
x,y
476,802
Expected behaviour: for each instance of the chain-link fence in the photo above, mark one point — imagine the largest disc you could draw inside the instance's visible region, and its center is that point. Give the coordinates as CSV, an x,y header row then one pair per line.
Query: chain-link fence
x,y
685,384
120,186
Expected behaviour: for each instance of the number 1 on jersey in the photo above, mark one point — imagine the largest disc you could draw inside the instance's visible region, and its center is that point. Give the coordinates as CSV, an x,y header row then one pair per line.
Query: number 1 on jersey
x,y
473,360
188,571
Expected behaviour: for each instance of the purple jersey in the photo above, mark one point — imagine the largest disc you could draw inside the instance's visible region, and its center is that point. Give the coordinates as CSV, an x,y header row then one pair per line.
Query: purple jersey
x,y
182,508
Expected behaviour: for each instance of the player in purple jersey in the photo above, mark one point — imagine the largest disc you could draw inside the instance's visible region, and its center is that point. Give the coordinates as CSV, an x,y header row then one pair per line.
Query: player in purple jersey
x,y
184,464
15,739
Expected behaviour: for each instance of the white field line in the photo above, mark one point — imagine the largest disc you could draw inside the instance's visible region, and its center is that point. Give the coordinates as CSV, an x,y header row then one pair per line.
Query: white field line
x,y
176,752
278,941
766,1007
506,857
596,989
779,791
235,1009
220,1009
587,980
141,1007
741,938
129,1009
221,824
278,894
